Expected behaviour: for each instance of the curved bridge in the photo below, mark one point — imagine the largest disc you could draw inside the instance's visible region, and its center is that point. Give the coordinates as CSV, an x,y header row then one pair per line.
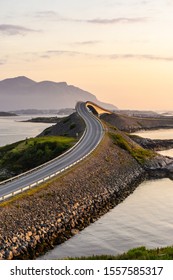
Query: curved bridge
x,y
96,109
89,141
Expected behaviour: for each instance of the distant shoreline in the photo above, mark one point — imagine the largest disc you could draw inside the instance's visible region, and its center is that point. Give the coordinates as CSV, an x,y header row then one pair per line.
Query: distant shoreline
x,y
7,114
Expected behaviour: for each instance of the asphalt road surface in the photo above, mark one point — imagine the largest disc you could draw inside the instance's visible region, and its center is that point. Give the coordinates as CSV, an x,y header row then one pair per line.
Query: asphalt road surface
x,y
93,135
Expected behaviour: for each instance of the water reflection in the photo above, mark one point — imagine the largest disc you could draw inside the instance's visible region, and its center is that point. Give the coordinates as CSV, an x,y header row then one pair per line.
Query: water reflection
x,y
143,219
156,134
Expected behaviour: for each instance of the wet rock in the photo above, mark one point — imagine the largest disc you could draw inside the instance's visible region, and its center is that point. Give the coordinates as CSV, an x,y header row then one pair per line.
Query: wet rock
x,y
156,144
74,231
14,239
70,203
8,255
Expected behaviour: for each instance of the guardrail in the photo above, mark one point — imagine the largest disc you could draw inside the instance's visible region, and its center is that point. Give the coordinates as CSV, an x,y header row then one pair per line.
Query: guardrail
x,y
2,198
21,190
44,164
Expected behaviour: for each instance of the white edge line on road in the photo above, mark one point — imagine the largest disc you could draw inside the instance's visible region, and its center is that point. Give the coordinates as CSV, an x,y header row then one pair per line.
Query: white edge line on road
x,y
2,198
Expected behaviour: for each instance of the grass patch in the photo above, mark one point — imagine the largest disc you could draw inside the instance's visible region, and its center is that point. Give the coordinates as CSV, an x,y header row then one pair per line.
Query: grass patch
x,y
140,253
25,155
139,153
45,185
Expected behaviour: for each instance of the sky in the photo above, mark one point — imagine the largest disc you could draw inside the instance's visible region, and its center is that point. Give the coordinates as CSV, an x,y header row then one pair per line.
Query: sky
x,y
119,50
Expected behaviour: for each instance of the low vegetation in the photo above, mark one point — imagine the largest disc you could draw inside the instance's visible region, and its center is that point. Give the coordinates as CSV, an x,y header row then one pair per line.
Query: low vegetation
x,y
24,155
140,253
139,153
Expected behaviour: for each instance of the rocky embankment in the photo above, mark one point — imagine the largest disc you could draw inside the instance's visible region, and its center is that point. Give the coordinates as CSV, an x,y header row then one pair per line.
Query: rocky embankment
x,y
160,166
32,224
35,222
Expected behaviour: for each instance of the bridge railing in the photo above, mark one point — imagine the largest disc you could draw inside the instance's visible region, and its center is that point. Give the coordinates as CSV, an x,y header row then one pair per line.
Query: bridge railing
x,y
36,183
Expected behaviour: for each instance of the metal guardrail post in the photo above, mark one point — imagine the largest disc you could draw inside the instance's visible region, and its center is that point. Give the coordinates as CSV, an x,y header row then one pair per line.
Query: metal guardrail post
x,y
54,174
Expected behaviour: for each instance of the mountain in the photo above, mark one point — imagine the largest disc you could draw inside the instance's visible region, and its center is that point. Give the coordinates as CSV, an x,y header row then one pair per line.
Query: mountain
x,y
24,93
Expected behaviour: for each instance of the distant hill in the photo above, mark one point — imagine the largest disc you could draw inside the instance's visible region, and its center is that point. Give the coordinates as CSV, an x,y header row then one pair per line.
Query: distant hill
x,y
24,93
7,114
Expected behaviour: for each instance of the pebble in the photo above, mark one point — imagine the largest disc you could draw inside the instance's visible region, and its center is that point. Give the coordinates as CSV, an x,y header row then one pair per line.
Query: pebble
x,y
79,198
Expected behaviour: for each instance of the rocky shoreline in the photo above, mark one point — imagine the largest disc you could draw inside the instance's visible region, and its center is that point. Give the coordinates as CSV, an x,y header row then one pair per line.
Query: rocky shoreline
x,y
155,145
159,167
132,124
31,225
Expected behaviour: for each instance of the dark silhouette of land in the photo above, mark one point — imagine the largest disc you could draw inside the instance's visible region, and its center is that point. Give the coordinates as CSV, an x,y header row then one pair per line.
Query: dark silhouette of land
x,y
23,93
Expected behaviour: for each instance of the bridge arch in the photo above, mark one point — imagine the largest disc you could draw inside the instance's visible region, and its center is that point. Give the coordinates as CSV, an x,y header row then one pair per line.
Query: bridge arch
x,y
96,109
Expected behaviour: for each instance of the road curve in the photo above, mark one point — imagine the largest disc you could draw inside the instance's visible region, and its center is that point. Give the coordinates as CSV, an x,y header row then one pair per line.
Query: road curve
x,y
93,134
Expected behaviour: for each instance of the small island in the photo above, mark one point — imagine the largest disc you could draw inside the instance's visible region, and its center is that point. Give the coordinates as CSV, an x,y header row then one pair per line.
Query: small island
x,y
7,114
44,120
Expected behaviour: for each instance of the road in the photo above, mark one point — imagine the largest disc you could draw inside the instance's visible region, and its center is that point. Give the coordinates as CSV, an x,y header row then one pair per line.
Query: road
x,y
93,135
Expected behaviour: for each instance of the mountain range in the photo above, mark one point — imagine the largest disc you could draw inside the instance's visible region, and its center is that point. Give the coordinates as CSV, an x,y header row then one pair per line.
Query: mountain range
x,y
24,93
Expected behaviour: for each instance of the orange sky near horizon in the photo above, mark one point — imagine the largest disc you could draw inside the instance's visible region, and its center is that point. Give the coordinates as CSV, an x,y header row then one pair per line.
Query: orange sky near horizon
x,y
121,51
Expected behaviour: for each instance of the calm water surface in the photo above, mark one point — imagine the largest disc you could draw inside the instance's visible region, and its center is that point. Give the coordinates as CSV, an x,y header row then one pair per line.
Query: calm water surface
x,y
159,134
143,219
13,130
156,134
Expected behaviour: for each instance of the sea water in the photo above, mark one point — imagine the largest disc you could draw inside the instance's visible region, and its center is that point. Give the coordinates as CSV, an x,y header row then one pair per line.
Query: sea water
x,y
13,129
142,219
